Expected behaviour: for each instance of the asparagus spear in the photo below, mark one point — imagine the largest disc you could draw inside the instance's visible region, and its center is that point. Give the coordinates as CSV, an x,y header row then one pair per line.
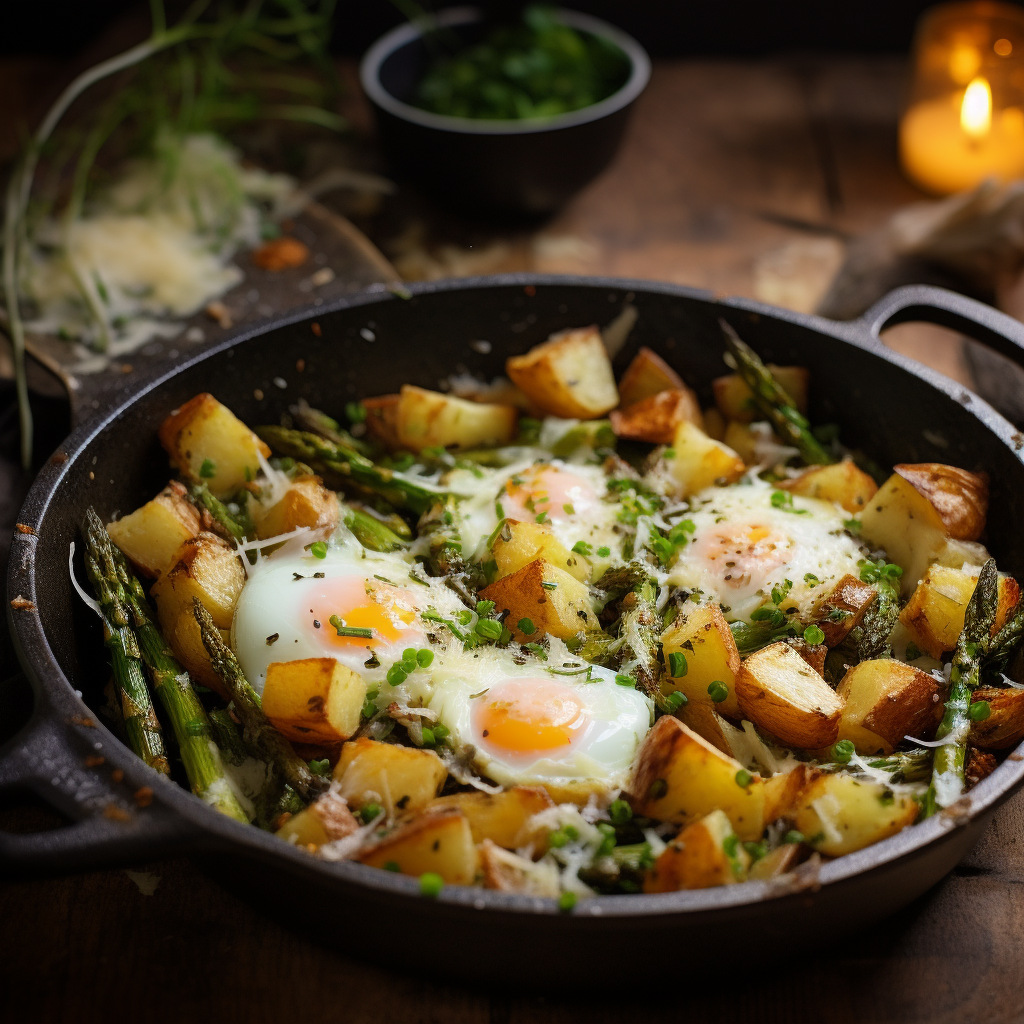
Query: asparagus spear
x,y
340,466
171,682
370,531
227,736
317,422
236,528
440,525
773,402
871,638
947,783
141,724
258,731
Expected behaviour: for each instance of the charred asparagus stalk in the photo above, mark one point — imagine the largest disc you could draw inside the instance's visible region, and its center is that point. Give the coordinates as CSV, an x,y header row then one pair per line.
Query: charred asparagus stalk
x,y
317,422
141,724
227,736
259,733
191,727
947,783
871,638
773,402
440,525
236,528
371,532
342,466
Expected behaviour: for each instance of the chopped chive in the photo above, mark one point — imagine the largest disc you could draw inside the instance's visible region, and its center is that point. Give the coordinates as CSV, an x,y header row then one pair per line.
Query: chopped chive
x,y
322,767
208,469
369,812
566,902
318,549
843,751
677,664
568,509
743,778
792,836
603,552
718,691
431,884
581,547
675,700
526,627
489,629
620,811
424,657
364,632
397,674
428,736
549,586
542,517
814,635
624,680
484,608
979,710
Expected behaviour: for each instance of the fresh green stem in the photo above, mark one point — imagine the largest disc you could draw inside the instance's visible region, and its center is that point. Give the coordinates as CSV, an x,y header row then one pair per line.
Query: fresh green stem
x,y
773,401
259,734
231,524
947,783
370,531
341,466
199,754
227,736
440,524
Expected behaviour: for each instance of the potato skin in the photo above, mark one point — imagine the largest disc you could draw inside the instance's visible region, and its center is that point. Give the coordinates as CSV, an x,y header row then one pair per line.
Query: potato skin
x,y
779,691
647,375
569,375
705,640
382,419
1004,728
698,859
847,602
960,498
656,418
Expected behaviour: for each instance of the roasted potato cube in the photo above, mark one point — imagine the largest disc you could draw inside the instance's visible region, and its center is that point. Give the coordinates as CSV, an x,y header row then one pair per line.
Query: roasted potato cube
x,y
499,817
655,419
715,425
428,419
844,607
700,462
885,700
205,567
325,820
782,792
441,843
151,535
648,374
509,872
743,439
705,854
705,642
1004,727
780,692
779,861
706,722
382,419
518,544
934,615
307,503
546,596
678,776
314,700
839,814
403,780
211,445
842,483
736,402
569,375
813,654
903,520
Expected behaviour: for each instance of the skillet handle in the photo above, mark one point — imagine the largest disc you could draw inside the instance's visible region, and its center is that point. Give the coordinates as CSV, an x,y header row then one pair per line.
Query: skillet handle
x,y
948,309
115,822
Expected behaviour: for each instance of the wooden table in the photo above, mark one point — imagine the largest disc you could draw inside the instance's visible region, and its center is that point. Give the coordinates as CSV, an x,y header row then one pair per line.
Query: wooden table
x,y
739,177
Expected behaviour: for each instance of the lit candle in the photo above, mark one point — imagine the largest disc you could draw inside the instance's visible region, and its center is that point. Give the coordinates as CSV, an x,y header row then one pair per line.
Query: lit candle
x,y
966,121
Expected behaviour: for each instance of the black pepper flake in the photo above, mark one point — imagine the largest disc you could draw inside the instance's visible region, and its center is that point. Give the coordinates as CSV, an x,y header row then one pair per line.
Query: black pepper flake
x,y
316,623
297,576
318,575
486,732
273,638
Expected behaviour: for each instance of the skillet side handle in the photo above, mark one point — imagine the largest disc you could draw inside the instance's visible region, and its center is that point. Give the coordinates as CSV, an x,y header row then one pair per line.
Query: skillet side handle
x,y
115,822
939,306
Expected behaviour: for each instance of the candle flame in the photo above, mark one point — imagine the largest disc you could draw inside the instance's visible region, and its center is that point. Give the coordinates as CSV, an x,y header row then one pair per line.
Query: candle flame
x,y
976,109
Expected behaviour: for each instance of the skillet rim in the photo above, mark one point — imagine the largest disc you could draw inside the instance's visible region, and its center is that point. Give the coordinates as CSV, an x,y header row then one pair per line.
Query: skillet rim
x,y
211,829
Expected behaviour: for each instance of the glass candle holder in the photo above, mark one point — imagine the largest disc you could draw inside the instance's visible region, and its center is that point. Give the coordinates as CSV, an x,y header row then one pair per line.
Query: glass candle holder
x,y
965,119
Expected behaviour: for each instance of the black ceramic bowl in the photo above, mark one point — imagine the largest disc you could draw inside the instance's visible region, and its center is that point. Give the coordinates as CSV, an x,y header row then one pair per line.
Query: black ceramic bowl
x,y
528,167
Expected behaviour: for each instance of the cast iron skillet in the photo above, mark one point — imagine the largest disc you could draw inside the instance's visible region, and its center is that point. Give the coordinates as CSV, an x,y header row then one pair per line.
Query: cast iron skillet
x,y
893,408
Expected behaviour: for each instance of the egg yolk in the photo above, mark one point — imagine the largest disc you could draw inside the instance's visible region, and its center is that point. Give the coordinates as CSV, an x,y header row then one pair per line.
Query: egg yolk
x,y
743,555
555,493
528,717
347,597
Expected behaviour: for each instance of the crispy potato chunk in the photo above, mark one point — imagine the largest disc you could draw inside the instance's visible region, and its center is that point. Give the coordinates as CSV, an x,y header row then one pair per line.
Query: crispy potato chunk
x,y
428,419
678,776
780,861
440,842
885,700
934,615
700,462
382,419
844,607
839,814
780,692
705,642
903,521
1004,728
655,419
706,722
151,535
783,791
508,872
980,765
499,817
209,444
522,543
569,375
842,483
705,854
648,374
736,402
562,610
325,820
205,567
314,700
403,780
307,503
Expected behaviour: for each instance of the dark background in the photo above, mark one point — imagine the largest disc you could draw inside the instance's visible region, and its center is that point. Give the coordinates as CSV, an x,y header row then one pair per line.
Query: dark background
x,y
667,28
